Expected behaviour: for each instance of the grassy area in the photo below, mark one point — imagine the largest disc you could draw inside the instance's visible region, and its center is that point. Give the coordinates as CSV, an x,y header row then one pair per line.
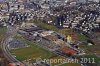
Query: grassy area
x,y
2,31
45,26
82,37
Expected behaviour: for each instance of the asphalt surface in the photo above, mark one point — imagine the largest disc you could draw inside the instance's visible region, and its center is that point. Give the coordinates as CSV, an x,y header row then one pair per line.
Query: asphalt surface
x,y
11,32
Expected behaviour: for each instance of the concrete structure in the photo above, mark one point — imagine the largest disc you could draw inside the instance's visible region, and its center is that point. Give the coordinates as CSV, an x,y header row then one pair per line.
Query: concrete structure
x,y
46,33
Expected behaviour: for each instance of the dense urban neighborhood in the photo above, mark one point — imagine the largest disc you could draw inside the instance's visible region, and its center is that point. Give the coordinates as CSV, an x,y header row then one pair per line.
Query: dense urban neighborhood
x,y
49,32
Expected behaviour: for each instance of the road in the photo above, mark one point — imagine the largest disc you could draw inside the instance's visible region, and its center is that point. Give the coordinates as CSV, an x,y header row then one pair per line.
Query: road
x,y
11,32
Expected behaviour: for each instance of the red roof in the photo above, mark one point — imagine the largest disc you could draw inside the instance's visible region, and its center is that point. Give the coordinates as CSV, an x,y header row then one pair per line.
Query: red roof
x,y
11,64
69,51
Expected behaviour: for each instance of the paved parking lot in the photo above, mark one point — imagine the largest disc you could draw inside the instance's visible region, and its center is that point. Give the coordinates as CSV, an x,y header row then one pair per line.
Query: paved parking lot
x,y
15,44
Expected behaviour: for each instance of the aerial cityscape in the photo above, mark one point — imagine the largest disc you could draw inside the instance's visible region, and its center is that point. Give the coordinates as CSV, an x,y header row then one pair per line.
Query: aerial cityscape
x,y
49,32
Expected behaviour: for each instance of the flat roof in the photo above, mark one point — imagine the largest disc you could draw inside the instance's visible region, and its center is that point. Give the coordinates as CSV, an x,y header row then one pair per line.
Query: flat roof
x,y
69,50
